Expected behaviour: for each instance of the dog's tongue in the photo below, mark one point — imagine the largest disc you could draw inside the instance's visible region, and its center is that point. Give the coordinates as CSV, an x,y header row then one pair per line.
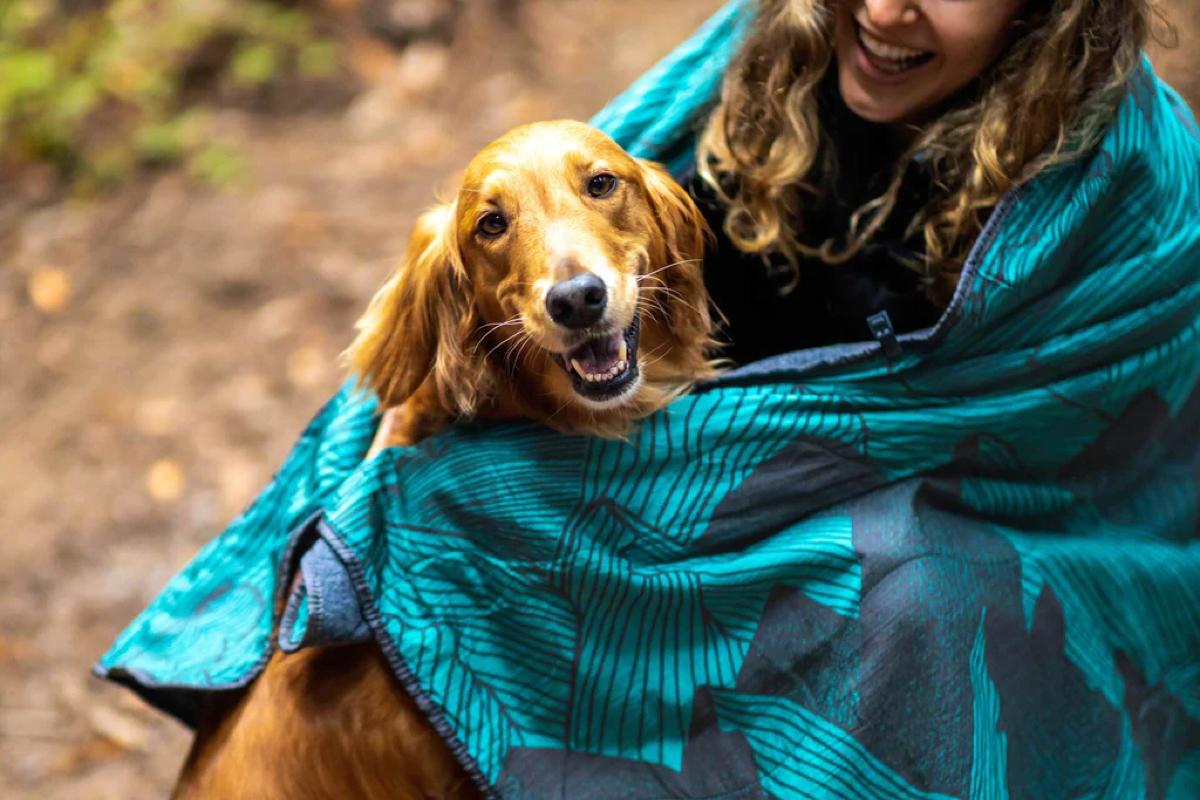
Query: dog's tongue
x,y
597,356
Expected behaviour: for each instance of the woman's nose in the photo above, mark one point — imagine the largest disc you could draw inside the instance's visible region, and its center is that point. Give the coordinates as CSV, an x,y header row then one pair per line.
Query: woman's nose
x,y
889,13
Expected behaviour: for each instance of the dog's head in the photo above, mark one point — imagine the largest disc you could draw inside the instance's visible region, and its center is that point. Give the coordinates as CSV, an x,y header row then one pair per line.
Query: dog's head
x,y
564,268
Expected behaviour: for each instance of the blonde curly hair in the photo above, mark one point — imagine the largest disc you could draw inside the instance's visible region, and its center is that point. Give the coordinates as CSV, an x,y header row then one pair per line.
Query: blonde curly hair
x,y
1048,98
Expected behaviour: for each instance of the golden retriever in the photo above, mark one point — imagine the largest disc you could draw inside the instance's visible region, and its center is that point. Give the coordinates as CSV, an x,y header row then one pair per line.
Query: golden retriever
x,y
563,284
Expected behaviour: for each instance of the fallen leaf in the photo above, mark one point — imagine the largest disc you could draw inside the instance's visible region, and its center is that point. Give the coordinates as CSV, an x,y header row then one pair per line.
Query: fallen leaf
x,y
49,290
165,480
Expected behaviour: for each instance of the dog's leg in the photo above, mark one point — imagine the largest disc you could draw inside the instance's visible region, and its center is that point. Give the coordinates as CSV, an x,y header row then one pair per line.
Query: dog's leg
x,y
384,433
321,724
419,417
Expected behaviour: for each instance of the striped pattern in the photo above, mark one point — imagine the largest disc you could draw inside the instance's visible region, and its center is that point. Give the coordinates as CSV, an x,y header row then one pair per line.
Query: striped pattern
x,y
989,767
612,610
801,755
769,584
1141,599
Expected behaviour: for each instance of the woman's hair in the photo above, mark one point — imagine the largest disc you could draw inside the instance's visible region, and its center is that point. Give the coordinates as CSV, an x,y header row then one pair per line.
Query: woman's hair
x,y
1048,97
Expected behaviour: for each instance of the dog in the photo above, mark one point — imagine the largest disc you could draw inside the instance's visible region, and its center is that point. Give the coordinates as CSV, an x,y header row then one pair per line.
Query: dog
x,y
533,293
563,284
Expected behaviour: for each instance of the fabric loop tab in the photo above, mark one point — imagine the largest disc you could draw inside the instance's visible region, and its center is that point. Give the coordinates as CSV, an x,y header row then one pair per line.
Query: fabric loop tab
x,y
322,610
882,329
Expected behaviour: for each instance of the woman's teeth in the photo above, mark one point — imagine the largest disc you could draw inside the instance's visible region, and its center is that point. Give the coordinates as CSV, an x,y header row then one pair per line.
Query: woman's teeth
x,y
890,57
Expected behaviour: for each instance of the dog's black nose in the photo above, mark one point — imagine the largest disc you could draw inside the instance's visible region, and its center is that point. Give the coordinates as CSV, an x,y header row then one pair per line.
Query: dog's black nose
x,y
577,302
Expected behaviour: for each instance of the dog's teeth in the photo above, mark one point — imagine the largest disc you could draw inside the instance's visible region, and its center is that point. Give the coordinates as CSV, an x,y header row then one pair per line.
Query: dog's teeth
x,y
623,353
601,377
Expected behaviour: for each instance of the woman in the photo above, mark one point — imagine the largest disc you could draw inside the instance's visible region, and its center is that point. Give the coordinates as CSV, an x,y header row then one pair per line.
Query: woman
x,y
963,570
859,147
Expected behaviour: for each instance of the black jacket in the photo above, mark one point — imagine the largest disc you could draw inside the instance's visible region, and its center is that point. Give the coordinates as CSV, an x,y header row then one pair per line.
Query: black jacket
x,y
830,303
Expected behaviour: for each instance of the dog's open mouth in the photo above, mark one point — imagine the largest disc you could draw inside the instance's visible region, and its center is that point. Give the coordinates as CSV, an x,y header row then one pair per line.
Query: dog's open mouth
x,y
603,367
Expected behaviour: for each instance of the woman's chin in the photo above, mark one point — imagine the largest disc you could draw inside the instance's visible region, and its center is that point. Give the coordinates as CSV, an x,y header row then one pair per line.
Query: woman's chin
x,y
871,107
881,107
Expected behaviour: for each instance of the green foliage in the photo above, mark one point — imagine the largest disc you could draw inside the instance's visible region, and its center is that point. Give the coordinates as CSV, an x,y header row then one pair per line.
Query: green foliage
x,y
255,63
317,59
102,91
217,165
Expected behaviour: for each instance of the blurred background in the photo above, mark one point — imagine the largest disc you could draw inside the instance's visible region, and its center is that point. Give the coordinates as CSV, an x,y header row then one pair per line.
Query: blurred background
x,y
198,198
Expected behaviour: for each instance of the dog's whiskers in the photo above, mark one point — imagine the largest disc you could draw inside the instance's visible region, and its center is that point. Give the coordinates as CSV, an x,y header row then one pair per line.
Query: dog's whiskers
x,y
675,295
640,278
493,325
489,328
660,288
515,356
558,410
651,310
650,357
502,343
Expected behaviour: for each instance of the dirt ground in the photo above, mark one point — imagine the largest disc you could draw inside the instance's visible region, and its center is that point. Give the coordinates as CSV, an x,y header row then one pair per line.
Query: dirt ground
x,y
161,348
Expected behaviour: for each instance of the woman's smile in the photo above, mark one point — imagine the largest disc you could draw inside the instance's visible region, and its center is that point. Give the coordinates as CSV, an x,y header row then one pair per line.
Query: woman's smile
x,y
899,59
884,61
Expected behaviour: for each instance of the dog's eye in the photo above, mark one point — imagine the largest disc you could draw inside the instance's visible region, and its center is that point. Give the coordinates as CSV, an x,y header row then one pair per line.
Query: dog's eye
x,y
602,185
492,225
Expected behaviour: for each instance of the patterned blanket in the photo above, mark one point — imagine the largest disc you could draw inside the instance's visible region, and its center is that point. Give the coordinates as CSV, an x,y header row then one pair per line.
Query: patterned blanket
x,y
966,566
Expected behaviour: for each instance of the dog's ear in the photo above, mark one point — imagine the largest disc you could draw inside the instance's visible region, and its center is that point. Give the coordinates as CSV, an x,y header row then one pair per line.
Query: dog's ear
x,y
419,324
684,235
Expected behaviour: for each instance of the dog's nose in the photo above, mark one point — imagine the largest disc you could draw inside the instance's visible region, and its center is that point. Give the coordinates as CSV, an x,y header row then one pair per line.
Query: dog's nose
x,y
577,302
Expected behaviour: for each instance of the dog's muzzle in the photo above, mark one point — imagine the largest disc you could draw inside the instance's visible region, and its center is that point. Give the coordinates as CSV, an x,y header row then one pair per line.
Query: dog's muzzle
x,y
603,367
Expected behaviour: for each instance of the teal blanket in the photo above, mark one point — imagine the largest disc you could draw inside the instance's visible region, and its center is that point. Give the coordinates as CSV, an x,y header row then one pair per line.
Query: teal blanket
x,y
966,569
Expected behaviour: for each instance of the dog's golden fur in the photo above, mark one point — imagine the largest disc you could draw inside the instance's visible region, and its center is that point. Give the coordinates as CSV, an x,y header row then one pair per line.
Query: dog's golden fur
x,y
462,330
321,724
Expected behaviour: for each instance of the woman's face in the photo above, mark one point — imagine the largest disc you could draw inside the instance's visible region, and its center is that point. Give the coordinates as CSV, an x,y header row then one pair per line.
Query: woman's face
x,y
898,59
